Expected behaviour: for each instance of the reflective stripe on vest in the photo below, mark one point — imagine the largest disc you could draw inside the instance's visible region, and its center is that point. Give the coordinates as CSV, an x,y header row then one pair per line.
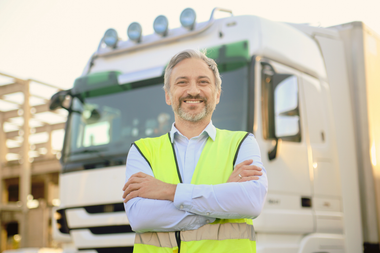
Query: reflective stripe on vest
x,y
207,232
218,157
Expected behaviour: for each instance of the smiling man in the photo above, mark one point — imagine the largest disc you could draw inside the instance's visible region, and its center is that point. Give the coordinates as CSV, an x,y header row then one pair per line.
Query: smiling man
x,y
197,188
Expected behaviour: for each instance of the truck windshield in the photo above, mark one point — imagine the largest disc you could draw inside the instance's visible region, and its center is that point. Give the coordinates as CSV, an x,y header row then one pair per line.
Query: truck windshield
x,y
104,126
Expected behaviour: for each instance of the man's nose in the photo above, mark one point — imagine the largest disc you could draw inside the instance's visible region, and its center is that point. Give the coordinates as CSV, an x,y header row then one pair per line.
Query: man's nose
x,y
193,89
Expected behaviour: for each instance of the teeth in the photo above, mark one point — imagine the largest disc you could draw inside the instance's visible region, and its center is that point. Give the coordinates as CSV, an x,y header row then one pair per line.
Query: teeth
x,y
192,102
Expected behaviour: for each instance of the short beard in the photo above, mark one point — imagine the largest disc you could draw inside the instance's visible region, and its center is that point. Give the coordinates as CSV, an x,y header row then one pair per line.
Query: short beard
x,y
188,116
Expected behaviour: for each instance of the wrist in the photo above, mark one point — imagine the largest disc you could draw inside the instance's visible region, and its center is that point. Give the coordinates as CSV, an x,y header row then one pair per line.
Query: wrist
x,y
171,192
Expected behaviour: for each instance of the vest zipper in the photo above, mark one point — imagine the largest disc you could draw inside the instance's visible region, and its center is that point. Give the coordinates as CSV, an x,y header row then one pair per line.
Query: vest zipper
x,y
177,233
178,239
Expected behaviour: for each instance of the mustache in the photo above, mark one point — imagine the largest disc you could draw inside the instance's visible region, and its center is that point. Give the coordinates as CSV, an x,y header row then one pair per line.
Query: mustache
x,y
193,97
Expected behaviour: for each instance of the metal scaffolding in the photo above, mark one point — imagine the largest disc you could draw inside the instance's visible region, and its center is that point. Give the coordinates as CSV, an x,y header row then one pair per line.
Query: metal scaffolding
x,y
28,155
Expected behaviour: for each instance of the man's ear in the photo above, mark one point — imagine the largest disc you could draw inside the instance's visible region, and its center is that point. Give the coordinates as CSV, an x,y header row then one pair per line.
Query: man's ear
x,y
167,98
218,96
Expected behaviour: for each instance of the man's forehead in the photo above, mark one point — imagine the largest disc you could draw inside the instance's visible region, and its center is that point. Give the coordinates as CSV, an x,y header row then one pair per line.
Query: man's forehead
x,y
192,67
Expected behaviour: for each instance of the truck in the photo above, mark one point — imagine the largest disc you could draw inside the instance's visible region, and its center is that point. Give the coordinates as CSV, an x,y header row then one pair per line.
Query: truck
x,y
310,95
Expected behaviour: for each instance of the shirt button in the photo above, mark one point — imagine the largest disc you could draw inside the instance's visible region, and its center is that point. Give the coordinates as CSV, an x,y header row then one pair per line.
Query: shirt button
x,y
181,207
207,221
208,213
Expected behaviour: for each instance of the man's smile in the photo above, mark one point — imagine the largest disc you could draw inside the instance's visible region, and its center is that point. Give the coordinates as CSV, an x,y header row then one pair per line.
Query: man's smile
x,y
193,101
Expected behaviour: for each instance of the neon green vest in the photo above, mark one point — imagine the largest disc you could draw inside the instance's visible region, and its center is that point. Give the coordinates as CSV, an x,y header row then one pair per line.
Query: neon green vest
x,y
214,166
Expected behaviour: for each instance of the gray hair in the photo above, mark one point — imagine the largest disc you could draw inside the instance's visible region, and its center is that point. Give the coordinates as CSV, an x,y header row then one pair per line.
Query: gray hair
x,y
187,54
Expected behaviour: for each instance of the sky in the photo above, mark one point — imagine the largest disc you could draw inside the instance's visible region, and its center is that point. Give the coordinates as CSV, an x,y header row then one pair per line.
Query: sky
x,y
52,40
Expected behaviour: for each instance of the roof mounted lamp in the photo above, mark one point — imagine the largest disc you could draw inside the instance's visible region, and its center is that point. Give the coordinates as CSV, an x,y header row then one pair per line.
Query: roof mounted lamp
x,y
160,25
188,18
110,38
134,32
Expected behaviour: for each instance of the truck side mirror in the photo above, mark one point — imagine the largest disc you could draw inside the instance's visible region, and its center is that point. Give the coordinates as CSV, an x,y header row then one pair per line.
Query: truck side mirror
x,y
286,110
58,99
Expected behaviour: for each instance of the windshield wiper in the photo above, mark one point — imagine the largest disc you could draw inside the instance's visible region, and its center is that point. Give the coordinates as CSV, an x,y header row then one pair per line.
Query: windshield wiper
x,y
97,152
107,160
87,151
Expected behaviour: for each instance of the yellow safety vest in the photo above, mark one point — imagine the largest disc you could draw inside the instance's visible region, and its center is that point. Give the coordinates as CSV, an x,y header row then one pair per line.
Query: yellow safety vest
x,y
214,166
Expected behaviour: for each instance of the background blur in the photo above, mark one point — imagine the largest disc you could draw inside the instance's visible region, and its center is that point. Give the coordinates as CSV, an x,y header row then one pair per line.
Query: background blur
x,y
51,41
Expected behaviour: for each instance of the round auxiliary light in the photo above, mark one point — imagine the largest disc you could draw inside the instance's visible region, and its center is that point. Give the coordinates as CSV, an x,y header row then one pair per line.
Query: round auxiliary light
x,y
110,38
187,18
160,25
134,32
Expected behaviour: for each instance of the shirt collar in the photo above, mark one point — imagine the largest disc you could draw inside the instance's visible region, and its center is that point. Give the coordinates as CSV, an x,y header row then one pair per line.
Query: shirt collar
x,y
210,130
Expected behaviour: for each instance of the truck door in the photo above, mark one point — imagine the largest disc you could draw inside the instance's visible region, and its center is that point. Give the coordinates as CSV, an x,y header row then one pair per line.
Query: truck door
x,y
324,174
280,128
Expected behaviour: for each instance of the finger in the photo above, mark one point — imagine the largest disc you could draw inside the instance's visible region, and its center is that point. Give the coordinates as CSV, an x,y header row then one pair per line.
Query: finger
x,y
131,188
140,174
254,167
245,179
251,167
133,178
249,173
246,162
130,196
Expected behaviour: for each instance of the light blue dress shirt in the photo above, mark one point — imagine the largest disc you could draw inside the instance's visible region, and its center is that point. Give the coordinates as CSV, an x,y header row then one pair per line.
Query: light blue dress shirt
x,y
196,205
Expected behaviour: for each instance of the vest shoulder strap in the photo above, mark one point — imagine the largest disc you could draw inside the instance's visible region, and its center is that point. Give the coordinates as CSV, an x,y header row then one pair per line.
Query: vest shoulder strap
x,y
146,146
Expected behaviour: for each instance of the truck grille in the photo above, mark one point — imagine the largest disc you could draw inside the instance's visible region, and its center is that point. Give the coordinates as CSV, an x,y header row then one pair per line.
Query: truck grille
x,y
62,222
111,250
110,230
109,208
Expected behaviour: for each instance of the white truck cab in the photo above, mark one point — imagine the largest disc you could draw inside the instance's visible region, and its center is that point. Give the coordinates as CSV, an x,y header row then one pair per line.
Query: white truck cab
x,y
302,91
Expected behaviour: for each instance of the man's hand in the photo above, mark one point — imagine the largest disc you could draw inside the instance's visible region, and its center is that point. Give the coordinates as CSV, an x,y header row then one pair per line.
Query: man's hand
x,y
145,186
245,172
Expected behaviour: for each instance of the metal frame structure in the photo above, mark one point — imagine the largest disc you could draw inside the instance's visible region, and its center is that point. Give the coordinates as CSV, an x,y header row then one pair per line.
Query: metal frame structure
x,y
34,161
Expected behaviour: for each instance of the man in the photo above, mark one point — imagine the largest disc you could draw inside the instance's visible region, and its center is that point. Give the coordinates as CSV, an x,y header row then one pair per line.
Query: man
x,y
197,188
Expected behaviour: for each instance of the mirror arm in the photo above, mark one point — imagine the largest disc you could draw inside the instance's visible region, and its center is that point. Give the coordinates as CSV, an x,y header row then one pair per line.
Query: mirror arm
x,y
71,110
57,102
272,154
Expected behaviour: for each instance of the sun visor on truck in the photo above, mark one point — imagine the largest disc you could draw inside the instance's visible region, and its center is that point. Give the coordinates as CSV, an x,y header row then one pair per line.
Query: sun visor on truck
x,y
107,82
96,81
230,56
141,75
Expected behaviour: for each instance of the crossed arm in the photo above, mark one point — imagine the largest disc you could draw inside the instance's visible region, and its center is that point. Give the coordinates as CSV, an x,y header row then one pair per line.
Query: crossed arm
x,y
146,186
153,205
